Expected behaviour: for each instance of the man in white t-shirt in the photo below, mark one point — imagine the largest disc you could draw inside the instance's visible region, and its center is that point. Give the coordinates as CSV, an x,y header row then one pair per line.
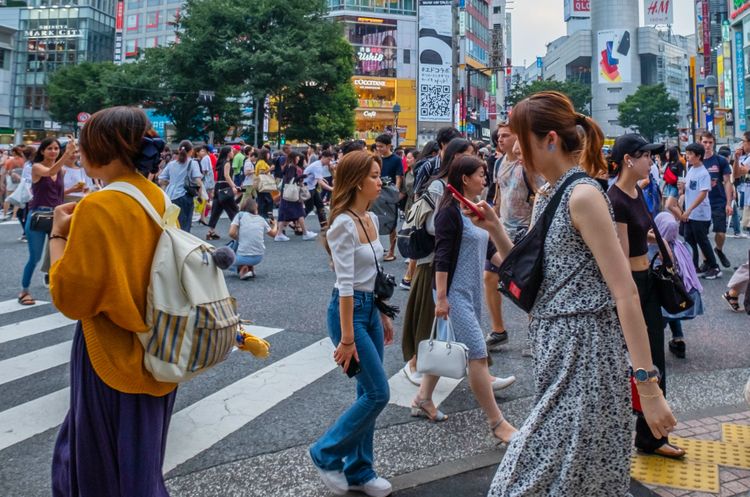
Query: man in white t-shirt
x,y
697,215
314,178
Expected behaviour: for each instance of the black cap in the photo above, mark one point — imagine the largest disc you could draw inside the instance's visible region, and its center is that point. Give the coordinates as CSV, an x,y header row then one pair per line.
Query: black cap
x,y
631,144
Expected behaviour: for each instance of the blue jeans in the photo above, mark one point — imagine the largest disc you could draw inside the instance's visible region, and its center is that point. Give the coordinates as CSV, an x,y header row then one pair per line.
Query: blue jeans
x,y
676,326
36,248
186,205
347,445
736,213
246,260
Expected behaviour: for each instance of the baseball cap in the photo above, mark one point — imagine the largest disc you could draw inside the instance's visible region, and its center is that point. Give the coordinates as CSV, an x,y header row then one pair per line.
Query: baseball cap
x,y
630,144
236,148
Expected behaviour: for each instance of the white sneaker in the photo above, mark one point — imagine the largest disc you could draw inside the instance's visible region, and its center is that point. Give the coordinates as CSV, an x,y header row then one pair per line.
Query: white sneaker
x,y
334,480
414,377
501,383
281,237
377,487
309,235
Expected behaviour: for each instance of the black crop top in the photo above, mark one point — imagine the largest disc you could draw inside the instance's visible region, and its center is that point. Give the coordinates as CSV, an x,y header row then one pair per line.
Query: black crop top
x,y
633,213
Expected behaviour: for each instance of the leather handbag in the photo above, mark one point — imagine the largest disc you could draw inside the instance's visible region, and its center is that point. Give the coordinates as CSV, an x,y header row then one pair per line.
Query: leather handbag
x,y
522,270
225,194
447,358
42,221
304,194
191,188
668,285
291,192
266,183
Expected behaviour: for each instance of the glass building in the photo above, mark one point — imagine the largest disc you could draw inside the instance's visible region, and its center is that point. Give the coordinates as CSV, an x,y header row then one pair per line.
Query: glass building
x,y
148,24
53,34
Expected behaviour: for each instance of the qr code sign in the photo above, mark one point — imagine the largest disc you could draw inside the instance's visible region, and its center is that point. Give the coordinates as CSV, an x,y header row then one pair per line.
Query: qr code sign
x,y
435,101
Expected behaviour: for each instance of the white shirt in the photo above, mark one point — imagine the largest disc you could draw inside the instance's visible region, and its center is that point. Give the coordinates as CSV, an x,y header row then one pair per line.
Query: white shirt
x,y
698,180
74,175
248,169
313,173
252,229
353,261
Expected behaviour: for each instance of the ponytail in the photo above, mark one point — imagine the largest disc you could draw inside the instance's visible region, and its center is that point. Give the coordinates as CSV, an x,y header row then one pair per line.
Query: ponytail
x,y
592,160
185,148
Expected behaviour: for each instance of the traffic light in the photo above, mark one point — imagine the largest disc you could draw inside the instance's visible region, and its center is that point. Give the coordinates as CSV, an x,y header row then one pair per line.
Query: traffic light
x,y
282,140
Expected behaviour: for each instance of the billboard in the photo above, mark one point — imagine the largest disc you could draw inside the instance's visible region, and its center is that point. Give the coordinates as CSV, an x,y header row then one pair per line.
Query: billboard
x,y
738,7
657,12
578,9
435,61
118,31
615,52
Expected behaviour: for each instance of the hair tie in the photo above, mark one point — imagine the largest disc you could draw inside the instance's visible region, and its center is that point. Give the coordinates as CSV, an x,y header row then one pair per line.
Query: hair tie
x,y
149,156
581,119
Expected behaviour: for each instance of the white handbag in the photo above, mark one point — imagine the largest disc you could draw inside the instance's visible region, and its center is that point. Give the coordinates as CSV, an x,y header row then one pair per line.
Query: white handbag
x,y
442,358
747,391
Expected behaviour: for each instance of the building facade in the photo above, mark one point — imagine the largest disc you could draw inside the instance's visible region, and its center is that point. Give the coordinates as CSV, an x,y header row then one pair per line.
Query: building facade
x,y
146,24
53,34
384,37
739,20
7,52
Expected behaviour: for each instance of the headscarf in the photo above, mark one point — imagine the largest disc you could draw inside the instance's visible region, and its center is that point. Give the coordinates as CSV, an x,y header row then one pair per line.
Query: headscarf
x,y
669,230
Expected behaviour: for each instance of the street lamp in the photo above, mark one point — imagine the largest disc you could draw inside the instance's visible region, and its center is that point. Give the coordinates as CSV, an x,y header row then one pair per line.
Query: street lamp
x,y
710,86
396,112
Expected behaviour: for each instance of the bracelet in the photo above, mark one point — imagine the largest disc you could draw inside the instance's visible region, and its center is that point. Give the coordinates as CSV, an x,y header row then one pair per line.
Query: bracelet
x,y
347,344
57,237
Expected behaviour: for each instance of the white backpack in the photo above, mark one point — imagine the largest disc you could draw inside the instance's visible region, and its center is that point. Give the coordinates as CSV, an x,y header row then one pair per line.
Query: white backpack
x,y
192,316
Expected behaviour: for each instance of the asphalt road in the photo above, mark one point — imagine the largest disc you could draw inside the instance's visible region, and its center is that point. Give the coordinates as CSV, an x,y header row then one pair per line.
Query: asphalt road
x,y
269,411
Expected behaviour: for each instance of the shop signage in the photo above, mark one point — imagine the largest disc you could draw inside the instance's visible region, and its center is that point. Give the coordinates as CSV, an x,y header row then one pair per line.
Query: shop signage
x,y
706,23
369,83
435,87
739,57
52,31
119,25
738,7
657,12
369,113
579,9
369,54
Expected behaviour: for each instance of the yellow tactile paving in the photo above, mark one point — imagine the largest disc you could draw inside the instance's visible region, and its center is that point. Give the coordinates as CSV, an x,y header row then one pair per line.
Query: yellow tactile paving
x,y
699,470
687,475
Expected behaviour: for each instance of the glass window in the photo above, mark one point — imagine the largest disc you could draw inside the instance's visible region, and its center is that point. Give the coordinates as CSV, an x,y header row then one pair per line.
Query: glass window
x,y
152,20
131,24
131,48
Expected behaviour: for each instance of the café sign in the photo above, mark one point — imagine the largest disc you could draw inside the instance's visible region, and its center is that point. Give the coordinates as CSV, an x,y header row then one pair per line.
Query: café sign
x,y
368,54
52,31
369,83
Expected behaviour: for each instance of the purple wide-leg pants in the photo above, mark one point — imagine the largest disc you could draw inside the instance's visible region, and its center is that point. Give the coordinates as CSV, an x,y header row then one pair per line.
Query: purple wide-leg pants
x,y
111,444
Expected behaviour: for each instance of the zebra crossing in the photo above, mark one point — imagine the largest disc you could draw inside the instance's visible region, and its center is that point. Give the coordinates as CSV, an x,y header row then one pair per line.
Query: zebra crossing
x,y
195,427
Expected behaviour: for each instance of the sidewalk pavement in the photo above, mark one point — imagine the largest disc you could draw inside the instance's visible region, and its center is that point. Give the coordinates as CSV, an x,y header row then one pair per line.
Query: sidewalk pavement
x,y
717,464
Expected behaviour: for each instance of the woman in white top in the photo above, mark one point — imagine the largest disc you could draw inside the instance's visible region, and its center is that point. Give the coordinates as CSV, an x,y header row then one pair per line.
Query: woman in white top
x,y
248,229
76,181
344,456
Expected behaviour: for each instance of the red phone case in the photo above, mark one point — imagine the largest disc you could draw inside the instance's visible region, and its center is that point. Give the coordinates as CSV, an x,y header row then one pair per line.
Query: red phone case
x,y
465,202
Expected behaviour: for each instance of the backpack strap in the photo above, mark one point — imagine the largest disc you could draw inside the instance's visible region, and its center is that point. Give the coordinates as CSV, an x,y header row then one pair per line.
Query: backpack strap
x,y
138,196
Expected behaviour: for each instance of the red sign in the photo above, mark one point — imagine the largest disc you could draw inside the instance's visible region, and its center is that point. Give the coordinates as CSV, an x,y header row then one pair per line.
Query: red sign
x,y
83,117
581,6
120,16
739,6
706,38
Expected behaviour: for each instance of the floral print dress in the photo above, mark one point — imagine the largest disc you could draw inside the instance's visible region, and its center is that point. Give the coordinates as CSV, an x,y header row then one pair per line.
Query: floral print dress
x,y
577,438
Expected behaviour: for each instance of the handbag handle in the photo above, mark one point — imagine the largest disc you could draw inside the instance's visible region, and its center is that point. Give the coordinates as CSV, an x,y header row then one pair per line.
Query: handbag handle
x,y
451,336
368,239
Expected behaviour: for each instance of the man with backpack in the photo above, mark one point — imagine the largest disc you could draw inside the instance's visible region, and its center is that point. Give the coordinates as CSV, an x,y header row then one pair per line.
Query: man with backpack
x,y
432,166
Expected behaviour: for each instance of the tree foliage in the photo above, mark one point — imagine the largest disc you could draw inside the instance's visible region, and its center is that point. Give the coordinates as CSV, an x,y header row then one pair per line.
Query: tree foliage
x,y
578,93
650,111
74,89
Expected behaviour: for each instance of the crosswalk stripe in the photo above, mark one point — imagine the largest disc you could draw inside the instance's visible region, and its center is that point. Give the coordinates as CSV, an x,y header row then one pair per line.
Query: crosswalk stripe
x,y
30,327
49,411
13,306
213,418
403,391
34,362
34,417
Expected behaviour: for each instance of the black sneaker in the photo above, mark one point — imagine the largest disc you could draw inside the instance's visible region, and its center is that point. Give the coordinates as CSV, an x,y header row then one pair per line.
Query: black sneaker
x,y
702,269
495,339
712,274
722,258
405,284
45,280
677,347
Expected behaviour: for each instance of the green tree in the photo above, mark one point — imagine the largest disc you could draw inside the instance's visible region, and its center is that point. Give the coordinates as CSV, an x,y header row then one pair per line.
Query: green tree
x,y
578,93
650,111
74,89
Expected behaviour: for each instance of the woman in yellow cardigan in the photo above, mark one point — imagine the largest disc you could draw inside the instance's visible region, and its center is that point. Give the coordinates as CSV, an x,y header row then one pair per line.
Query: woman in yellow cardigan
x,y
112,441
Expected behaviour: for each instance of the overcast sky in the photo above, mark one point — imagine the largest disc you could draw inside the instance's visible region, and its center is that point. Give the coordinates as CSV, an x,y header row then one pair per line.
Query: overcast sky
x,y
538,22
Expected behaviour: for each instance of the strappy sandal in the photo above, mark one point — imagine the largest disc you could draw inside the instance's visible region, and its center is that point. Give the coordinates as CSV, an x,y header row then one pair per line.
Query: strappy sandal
x,y
499,442
389,258
734,302
26,299
212,236
419,411
672,452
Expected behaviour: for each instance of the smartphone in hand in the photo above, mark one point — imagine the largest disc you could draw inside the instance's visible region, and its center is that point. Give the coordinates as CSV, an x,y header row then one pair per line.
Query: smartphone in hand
x,y
354,368
462,199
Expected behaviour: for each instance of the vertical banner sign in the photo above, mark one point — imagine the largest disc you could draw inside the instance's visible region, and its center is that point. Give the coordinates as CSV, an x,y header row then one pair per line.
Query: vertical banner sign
x,y
720,79
119,22
706,18
657,12
727,52
739,61
435,60
614,50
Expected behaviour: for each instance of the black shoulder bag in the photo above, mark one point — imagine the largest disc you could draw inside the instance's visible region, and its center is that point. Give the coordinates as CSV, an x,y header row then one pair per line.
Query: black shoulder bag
x,y
522,270
385,283
668,285
191,188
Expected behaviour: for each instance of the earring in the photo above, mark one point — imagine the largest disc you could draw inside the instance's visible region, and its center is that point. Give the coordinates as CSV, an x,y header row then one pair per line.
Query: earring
x,y
359,188
551,147
630,163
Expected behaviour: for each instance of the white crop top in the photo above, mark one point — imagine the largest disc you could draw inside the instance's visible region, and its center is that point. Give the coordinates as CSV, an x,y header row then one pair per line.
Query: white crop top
x,y
353,260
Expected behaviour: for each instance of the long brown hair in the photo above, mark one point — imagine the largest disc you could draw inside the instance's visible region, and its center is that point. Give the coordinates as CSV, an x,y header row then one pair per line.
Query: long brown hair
x,y
464,166
553,111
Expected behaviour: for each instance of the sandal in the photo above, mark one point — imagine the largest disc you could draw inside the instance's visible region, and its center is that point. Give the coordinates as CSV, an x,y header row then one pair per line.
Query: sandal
x,y
212,236
671,452
734,302
389,258
418,411
26,299
499,441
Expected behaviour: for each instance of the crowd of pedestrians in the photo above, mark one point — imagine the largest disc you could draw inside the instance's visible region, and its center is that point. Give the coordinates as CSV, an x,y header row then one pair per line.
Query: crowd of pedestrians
x,y
603,215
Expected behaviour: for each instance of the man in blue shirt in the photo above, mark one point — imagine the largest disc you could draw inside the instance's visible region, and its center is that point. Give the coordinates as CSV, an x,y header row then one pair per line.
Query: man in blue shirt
x,y
393,169
720,195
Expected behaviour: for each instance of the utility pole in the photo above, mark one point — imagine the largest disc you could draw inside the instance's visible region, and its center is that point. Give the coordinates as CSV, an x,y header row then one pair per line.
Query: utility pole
x,y
456,45
256,105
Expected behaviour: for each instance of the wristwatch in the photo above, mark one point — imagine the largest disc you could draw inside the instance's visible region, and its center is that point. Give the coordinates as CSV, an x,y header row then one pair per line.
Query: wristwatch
x,y
643,376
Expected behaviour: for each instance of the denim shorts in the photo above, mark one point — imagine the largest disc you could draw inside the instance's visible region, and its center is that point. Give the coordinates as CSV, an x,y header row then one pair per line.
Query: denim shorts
x,y
670,191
